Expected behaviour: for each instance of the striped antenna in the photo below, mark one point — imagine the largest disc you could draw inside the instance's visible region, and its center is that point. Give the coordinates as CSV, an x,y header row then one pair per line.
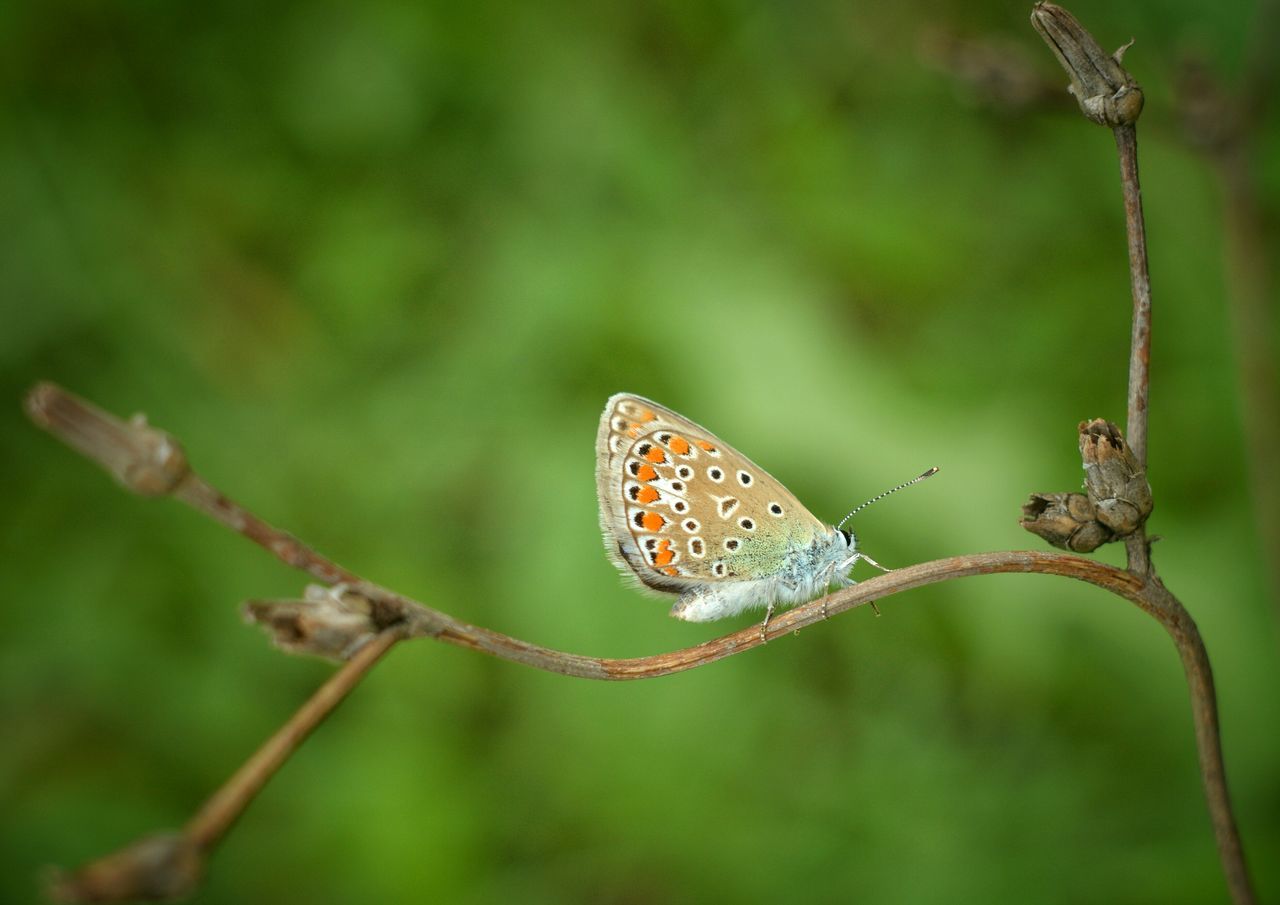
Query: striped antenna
x,y
928,474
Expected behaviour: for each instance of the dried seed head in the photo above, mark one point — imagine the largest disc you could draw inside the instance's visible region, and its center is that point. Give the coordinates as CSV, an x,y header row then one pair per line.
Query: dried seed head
x,y
1066,520
1107,93
163,867
1116,483
329,622
142,458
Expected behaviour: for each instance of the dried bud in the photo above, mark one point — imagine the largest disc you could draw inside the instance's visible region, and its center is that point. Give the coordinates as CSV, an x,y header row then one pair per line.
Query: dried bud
x,y
1066,520
1116,483
157,868
142,458
328,622
1107,94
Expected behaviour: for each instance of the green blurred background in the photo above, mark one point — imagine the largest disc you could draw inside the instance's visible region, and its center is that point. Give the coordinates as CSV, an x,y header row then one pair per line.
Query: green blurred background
x,y
379,267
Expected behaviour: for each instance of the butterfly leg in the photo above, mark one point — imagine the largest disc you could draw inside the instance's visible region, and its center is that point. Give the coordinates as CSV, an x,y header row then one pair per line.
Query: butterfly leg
x,y
873,562
764,626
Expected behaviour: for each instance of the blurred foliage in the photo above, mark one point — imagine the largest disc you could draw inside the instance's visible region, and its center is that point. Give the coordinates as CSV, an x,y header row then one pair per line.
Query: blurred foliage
x,y
380,265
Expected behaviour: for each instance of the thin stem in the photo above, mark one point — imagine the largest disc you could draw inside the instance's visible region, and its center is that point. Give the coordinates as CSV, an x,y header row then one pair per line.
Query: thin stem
x,y
203,497
445,628
1140,282
1204,706
1165,607
207,827
151,462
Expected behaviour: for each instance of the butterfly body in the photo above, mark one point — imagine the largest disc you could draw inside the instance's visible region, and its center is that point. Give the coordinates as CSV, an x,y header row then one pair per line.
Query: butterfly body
x,y
686,514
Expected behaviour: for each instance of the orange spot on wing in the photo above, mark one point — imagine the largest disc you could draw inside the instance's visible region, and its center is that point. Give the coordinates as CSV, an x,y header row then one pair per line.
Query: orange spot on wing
x,y
679,446
707,446
633,430
656,455
652,521
647,494
645,415
671,570
646,473
665,554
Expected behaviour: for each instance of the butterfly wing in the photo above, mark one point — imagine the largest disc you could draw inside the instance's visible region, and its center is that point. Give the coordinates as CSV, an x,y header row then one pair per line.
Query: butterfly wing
x,y
681,509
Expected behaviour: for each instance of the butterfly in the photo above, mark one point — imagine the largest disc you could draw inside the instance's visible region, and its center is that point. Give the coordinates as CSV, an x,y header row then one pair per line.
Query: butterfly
x,y
687,514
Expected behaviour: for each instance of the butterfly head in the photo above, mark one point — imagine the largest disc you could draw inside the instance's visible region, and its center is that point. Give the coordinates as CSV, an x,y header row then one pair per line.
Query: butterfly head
x,y
843,547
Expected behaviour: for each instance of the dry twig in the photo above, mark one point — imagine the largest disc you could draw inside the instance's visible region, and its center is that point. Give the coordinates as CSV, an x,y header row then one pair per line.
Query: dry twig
x,y
1109,96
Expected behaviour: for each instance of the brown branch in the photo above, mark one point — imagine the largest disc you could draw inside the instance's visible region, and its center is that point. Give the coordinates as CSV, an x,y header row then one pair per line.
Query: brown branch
x,y
151,462
217,815
1140,284
1110,96
166,863
1139,555
170,865
872,590
1204,706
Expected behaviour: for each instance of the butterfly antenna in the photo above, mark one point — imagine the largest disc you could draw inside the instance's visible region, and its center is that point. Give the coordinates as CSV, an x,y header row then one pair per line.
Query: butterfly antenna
x,y
928,474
